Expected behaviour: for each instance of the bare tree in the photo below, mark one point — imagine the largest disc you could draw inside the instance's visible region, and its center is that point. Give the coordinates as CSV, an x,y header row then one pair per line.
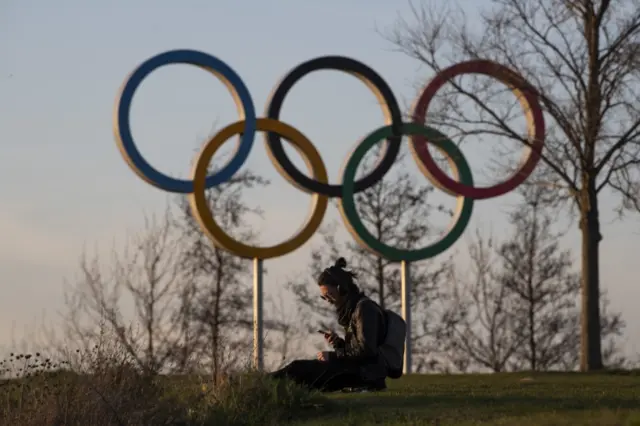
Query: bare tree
x,y
612,326
191,301
540,276
397,212
216,311
520,310
581,58
286,337
148,272
479,325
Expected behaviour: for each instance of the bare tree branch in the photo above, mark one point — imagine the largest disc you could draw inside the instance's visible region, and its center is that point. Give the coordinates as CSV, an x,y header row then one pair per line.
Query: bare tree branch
x,y
581,59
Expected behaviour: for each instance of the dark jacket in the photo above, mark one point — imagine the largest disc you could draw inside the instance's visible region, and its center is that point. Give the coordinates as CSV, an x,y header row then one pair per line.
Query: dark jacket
x,y
364,334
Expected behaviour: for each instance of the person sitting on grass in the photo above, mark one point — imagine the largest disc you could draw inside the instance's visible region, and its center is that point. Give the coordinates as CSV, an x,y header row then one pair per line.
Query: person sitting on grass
x,y
356,361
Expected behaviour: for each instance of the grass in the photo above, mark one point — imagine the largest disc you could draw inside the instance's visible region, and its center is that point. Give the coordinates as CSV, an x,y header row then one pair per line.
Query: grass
x,y
519,399
101,389
110,391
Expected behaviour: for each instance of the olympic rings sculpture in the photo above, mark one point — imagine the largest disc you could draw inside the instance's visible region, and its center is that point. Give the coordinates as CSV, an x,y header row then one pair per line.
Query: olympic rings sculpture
x,y
318,184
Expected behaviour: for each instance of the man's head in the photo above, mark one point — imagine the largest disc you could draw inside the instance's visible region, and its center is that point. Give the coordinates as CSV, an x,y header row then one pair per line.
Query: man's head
x,y
336,283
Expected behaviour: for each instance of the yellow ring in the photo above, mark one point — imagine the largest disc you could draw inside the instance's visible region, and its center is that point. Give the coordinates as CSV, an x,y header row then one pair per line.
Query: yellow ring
x,y
200,206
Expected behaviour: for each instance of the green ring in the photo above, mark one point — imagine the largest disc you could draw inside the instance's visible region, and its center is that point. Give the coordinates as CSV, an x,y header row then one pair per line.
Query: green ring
x,y
354,223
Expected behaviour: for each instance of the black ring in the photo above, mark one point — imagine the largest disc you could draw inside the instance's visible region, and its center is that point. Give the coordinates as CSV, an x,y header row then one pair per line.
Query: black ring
x,y
376,83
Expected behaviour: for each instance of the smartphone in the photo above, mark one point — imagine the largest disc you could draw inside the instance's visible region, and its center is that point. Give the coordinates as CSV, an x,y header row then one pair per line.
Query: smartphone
x,y
324,333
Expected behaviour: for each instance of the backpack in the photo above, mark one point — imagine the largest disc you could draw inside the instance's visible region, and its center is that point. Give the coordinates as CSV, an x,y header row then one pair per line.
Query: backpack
x,y
392,349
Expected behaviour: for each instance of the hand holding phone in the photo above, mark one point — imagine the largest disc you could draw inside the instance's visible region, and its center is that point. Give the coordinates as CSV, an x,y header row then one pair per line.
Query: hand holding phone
x,y
329,336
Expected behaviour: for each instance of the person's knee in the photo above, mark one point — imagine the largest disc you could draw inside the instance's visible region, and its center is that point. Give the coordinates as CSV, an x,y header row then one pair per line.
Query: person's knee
x,y
296,365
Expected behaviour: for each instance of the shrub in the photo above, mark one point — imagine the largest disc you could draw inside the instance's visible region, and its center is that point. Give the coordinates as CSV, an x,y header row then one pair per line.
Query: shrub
x,y
101,388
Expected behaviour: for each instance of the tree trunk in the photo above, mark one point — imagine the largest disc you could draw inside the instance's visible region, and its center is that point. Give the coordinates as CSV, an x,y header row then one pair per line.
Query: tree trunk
x,y
380,274
216,352
533,237
532,338
590,348
151,356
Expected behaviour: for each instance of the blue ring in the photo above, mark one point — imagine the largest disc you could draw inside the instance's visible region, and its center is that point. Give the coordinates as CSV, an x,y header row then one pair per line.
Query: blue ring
x,y
122,125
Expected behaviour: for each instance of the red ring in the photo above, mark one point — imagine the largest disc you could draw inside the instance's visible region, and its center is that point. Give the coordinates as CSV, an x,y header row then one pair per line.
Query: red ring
x,y
535,123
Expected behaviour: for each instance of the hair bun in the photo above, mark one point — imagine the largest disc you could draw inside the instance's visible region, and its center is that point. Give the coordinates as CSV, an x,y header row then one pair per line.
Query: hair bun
x,y
341,263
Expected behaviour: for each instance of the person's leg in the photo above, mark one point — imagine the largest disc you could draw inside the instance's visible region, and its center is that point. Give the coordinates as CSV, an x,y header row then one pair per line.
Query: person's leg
x,y
321,375
378,385
351,378
303,372
347,378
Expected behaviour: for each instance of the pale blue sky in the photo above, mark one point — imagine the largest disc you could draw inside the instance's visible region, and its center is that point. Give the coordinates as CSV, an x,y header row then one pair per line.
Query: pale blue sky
x,y
65,185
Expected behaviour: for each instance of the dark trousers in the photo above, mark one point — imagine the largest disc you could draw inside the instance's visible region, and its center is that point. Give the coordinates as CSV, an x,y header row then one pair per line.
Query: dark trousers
x,y
326,376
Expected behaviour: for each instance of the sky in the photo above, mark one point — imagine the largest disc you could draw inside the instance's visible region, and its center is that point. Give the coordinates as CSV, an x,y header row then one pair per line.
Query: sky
x,y
65,186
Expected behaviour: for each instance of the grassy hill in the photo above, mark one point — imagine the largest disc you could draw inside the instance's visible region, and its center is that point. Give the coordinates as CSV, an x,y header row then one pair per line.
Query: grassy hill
x,y
119,396
498,399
